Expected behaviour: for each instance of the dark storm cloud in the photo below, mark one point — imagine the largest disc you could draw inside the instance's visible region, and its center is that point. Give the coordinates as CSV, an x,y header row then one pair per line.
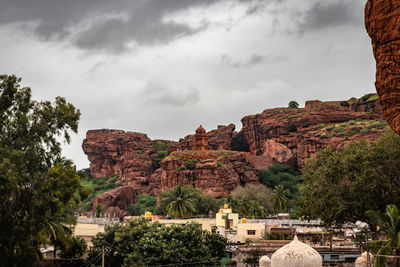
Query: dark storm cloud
x,y
121,21
158,94
254,59
324,14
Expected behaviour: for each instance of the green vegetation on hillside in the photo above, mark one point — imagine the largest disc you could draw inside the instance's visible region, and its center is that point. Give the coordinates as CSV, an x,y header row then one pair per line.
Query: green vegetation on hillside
x,y
348,128
144,203
96,186
281,174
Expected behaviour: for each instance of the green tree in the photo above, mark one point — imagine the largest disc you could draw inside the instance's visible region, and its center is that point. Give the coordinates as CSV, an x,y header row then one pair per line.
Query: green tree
x,y
179,201
145,203
341,186
33,190
281,174
198,203
99,210
75,250
279,198
254,192
142,243
389,223
293,104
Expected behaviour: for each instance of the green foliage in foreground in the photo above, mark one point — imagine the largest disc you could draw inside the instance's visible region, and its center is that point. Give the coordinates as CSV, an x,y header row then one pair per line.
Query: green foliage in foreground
x,y
38,190
342,186
142,243
76,250
389,224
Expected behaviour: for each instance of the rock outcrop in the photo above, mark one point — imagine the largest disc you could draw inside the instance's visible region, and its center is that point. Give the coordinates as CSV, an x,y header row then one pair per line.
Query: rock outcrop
x,y
382,21
116,201
206,160
285,135
215,172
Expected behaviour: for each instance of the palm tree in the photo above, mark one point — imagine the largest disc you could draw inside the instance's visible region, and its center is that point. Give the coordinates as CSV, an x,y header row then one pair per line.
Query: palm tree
x,y
279,198
180,201
57,229
389,223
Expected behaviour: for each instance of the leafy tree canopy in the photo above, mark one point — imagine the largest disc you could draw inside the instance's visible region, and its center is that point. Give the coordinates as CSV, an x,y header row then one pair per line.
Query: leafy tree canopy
x,y
185,201
342,186
142,243
293,104
35,190
281,174
144,203
258,193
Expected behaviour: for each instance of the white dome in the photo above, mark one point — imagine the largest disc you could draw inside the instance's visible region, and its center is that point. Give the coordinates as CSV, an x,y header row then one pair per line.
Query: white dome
x,y
361,262
371,257
264,261
296,254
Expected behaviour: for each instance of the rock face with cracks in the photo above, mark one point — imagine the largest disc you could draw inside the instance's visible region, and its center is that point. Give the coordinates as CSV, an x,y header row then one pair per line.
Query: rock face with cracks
x,y
382,21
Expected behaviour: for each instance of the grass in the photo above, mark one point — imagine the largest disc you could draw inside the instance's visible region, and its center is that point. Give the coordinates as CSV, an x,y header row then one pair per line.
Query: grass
x,y
98,186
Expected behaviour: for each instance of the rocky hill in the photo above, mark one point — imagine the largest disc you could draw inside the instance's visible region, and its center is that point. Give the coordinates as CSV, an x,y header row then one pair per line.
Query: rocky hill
x,y
279,135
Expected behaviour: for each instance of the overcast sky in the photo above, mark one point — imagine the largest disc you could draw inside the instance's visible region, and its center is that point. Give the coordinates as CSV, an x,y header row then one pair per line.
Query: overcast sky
x,y
162,67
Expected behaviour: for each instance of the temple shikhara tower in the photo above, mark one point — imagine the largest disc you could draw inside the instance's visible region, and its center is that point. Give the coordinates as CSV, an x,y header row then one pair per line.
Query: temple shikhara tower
x,y
200,139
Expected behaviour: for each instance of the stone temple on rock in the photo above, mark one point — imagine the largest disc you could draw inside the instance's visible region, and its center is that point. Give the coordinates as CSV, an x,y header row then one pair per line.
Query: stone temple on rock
x,y
200,139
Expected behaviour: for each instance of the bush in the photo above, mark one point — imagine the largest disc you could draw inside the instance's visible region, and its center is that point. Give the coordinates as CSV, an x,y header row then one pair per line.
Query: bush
x,y
247,168
293,104
338,129
155,162
364,131
319,126
323,135
180,169
145,203
344,104
191,164
352,122
76,250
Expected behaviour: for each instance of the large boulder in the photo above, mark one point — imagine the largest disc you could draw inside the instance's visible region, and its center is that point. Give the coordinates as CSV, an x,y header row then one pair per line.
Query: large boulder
x,y
116,201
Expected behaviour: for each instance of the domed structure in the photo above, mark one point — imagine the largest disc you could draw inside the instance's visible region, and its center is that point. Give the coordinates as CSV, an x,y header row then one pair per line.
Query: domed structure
x,y
296,254
365,255
361,262
264,261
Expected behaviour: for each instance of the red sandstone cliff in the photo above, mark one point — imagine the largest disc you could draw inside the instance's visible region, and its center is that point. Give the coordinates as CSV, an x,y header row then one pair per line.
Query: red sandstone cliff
x,y
287,135
382,21
215,172
280,135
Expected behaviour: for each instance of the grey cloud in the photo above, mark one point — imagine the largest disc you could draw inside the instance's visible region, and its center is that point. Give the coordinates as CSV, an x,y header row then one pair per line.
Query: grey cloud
x,y
61,19
158,94
254,59
324,14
